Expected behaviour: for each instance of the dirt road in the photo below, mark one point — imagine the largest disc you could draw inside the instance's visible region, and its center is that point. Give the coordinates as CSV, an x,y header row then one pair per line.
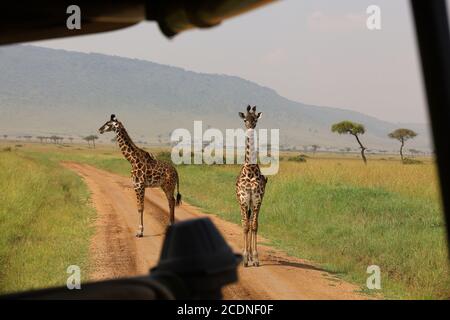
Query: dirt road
x,y
116,252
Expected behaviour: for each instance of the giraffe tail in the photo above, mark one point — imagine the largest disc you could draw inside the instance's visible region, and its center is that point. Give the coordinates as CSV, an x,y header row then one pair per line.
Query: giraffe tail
x,y
178,199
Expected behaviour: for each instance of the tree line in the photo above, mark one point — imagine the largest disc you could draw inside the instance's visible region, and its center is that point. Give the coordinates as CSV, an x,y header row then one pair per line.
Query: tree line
x,y
344,127
57,139
357,129
43,139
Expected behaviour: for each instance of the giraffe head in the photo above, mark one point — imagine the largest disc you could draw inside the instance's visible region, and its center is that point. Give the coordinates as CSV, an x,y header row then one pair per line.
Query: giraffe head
x,y
251,117
112,125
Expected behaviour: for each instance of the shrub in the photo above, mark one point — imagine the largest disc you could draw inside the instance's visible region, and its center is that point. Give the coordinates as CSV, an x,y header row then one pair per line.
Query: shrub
x,y
411,161
299,158
304,155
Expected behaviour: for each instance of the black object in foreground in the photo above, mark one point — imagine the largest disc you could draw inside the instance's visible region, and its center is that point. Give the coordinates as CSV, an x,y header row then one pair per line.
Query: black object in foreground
x,y
196,252
195,263
46,19
433,39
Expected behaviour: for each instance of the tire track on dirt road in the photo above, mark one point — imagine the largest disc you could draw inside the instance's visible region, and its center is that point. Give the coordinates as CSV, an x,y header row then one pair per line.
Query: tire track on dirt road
x,y
116,252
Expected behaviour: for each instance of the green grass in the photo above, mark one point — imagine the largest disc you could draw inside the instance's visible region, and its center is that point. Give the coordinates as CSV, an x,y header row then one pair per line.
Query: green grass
x,y
344,227
334,211
45,222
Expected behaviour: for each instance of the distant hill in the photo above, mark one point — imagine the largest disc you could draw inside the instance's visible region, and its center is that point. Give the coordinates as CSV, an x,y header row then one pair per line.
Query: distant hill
x,y
46,91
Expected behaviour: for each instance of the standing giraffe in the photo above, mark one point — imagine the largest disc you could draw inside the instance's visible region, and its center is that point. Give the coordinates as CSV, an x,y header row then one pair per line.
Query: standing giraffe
x,y
146,171
250,186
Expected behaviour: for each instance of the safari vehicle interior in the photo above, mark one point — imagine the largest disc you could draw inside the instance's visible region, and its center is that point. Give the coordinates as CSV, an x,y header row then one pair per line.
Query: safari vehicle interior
x,y
170,279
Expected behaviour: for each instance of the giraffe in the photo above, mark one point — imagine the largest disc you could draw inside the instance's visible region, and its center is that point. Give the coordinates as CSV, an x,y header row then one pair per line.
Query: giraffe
x,y
146,171
250,187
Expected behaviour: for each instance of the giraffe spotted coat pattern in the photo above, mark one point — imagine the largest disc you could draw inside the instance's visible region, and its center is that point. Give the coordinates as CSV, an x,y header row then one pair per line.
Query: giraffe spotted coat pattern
x,y
146,171
250,188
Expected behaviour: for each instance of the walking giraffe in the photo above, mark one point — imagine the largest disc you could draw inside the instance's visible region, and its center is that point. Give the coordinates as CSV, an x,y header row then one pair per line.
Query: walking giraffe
x,y
146,171
250,186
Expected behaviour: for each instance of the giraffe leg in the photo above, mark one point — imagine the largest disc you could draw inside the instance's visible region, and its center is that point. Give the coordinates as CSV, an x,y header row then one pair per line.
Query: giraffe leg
x,y
254,234
171,200
249,235
249,238
140,196
245,230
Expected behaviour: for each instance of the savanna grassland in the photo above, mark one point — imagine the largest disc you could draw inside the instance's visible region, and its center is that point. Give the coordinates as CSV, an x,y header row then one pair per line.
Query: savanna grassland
x,y
45,222
331,209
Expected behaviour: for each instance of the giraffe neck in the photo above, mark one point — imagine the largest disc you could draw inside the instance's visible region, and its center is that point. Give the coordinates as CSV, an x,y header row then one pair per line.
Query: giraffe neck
x,y
250,147
126,145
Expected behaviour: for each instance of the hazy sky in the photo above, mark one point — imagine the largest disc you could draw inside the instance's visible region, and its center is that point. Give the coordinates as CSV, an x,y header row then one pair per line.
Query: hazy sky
x,y
313,51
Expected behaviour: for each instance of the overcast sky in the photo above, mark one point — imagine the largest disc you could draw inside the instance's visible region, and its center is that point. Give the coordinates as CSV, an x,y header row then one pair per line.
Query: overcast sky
x,y
313,51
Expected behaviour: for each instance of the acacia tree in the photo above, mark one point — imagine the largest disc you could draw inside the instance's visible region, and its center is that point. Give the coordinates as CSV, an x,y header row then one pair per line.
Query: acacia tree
x,y
91,138
402,135
353,128
88,140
